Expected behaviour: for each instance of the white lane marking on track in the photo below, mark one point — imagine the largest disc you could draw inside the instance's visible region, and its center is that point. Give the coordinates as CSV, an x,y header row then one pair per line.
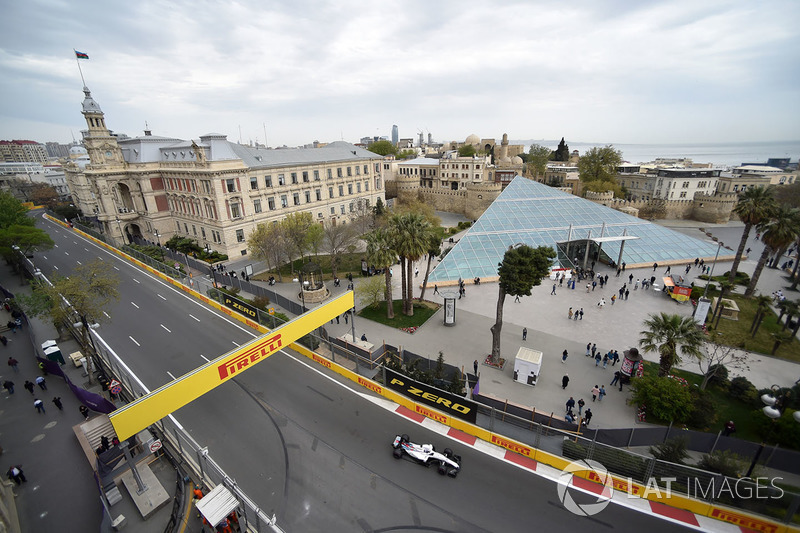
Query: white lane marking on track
x,y
206,358
237,344
107,315
115,268
166,328
66,253
55,267
136,280
136,306
191,315
85,248
79,262
161,297
134,340
45,257
170,375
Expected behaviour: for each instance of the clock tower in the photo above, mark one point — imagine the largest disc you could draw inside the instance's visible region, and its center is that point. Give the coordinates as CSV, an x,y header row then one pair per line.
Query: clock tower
x,y
100,144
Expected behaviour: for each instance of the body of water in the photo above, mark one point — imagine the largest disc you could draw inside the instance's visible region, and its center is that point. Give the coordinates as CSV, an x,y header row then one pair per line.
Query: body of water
x,y
721,154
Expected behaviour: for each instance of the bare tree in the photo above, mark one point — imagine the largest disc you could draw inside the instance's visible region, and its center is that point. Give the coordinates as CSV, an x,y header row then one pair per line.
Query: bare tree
x,y
714,356
268,243
338,239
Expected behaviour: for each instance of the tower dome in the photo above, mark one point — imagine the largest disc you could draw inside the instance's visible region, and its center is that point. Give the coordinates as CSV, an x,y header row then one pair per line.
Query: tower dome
x,y
472,139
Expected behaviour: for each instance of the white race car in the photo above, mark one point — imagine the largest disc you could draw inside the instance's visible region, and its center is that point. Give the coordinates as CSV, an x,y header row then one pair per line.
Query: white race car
x,y
426,454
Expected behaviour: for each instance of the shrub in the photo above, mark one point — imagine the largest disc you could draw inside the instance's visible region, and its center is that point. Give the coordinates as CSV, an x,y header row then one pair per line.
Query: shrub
x,y
664,398
724,462
261,302
674,450
741,388
704,410
719,376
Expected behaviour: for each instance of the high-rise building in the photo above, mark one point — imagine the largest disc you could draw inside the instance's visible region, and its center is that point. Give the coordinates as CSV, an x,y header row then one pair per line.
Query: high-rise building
x,y
22,152
395,135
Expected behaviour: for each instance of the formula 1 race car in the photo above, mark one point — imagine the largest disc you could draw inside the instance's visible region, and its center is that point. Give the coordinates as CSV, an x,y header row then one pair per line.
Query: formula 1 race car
x,y
425,454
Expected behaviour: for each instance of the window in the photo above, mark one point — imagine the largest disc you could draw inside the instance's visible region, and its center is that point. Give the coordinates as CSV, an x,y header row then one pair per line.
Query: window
x,y
296,198
253,184
235,213
330,173
702,184
271,203
333,210
358,171
230,185
284,201
366,169
308,196
342,209
281,180
349,188
330,192
366,186
683,194
378,184
257,205
318,192
685,185
305,176
352,207
341,190
203,231
349,171
268,181
339,172
194,230
316,175
294,177
186,228
358,187
239,235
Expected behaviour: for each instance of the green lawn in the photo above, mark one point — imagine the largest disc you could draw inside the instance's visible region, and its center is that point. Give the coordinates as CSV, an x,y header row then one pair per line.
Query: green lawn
x,y
422,312
348,263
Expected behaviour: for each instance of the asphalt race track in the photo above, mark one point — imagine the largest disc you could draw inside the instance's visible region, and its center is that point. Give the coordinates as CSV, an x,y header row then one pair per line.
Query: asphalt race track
x,y
306,444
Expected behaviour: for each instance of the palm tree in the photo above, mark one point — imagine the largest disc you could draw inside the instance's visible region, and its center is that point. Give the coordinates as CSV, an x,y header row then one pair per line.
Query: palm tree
x,y
724,287
668,335
381,254
781,229
762,302
394,233
411,243
755,205
791,309
434,249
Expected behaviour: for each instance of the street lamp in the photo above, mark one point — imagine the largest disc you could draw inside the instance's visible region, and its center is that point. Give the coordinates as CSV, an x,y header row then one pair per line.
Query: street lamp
x,y
157,235
122,235
774,404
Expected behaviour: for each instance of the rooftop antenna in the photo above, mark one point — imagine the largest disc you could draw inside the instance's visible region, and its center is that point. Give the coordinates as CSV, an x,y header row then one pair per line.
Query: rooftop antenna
x,y
240,134
264,125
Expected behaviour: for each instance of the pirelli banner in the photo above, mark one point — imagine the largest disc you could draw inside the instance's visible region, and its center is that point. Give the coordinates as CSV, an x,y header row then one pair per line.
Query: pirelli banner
x,y
452,404
137,415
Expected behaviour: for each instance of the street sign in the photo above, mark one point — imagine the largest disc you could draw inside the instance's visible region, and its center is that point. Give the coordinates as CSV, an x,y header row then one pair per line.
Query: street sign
x,y
155,445
115,386
272,310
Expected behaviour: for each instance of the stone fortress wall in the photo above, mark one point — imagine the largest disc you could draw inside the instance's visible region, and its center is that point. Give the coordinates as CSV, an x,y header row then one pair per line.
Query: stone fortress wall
x,y
713,209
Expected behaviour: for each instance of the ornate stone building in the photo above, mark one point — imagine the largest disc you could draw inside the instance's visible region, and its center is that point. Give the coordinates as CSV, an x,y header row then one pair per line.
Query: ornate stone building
x,y
212,190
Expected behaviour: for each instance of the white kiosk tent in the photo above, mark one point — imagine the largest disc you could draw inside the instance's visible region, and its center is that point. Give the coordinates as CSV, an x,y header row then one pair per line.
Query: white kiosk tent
x,y
527,366
217,505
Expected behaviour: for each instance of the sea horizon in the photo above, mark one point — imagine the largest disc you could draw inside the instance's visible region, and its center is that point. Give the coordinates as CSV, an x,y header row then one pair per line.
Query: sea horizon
x,y
719,154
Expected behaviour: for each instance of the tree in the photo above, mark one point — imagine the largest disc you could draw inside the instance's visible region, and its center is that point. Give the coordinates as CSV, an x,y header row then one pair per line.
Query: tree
x,y
12,212
268,243
26,238
381,253
406,154
314,237
411,236
434,249
522,268
466,151
296,227
599,164
562,152
380,209
668,335
780,229
42,194
754,206
763,303
791,309
717,356
338,239
665,398
382,148
538,156
370,291
363,216
90,288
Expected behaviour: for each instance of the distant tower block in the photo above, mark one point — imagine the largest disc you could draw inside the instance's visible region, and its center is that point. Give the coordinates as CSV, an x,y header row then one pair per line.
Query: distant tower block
x,y
420,139
430,138
395,135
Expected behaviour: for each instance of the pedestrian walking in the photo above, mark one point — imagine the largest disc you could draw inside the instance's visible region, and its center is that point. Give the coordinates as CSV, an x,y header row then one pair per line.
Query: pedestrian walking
x,y
594,349
630,278
602,393
618,271
601,303
576,316
564,356
613,298
4,340
15,473
570,404
748,251
581,313
475,366
636,286
435,288
605,361
615,357
28,386
565,381
84,411
337,319
616,378
587,417
581,403
39,405
597,359
588,349
594,285
623,266
595,391
569,315
57,402
41,382
13,363
554,289
42,368
345,317
627,293
516,299
655,266
524,334
416,272
669,268
9,386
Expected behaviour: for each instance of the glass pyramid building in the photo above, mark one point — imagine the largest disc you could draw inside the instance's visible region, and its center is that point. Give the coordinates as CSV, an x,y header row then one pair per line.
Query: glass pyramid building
x,y
538,215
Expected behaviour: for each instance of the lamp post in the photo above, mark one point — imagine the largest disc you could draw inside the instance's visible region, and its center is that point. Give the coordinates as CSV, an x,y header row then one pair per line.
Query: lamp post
x,y
704,304
157,235
122,235
775,403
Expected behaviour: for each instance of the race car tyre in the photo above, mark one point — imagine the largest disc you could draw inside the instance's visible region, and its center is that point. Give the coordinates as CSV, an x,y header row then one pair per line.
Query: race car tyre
x,y
404,438
452,472
442,468
398,453
447,453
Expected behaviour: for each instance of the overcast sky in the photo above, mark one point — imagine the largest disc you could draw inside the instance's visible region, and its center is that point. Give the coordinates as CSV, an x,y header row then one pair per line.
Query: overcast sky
x,y
592,71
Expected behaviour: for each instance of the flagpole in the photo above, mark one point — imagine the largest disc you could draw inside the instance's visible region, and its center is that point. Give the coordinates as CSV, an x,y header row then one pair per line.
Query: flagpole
x,y
78,61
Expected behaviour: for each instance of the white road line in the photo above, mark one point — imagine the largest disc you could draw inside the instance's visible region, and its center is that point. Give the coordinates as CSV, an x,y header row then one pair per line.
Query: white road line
x,y
134,340
161,296
79,263
107,315
55,267
45,257
234,342
166,328
75,243
136,280
66,253
85,248
115,268
206,358
136,306
56,246
170,375
191,315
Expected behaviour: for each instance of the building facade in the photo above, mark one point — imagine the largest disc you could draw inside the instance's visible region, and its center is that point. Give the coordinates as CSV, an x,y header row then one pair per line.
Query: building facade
x,y
22,151
214,191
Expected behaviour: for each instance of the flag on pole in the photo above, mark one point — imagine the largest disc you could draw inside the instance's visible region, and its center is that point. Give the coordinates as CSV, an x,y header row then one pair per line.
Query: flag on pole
x,y
81,55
